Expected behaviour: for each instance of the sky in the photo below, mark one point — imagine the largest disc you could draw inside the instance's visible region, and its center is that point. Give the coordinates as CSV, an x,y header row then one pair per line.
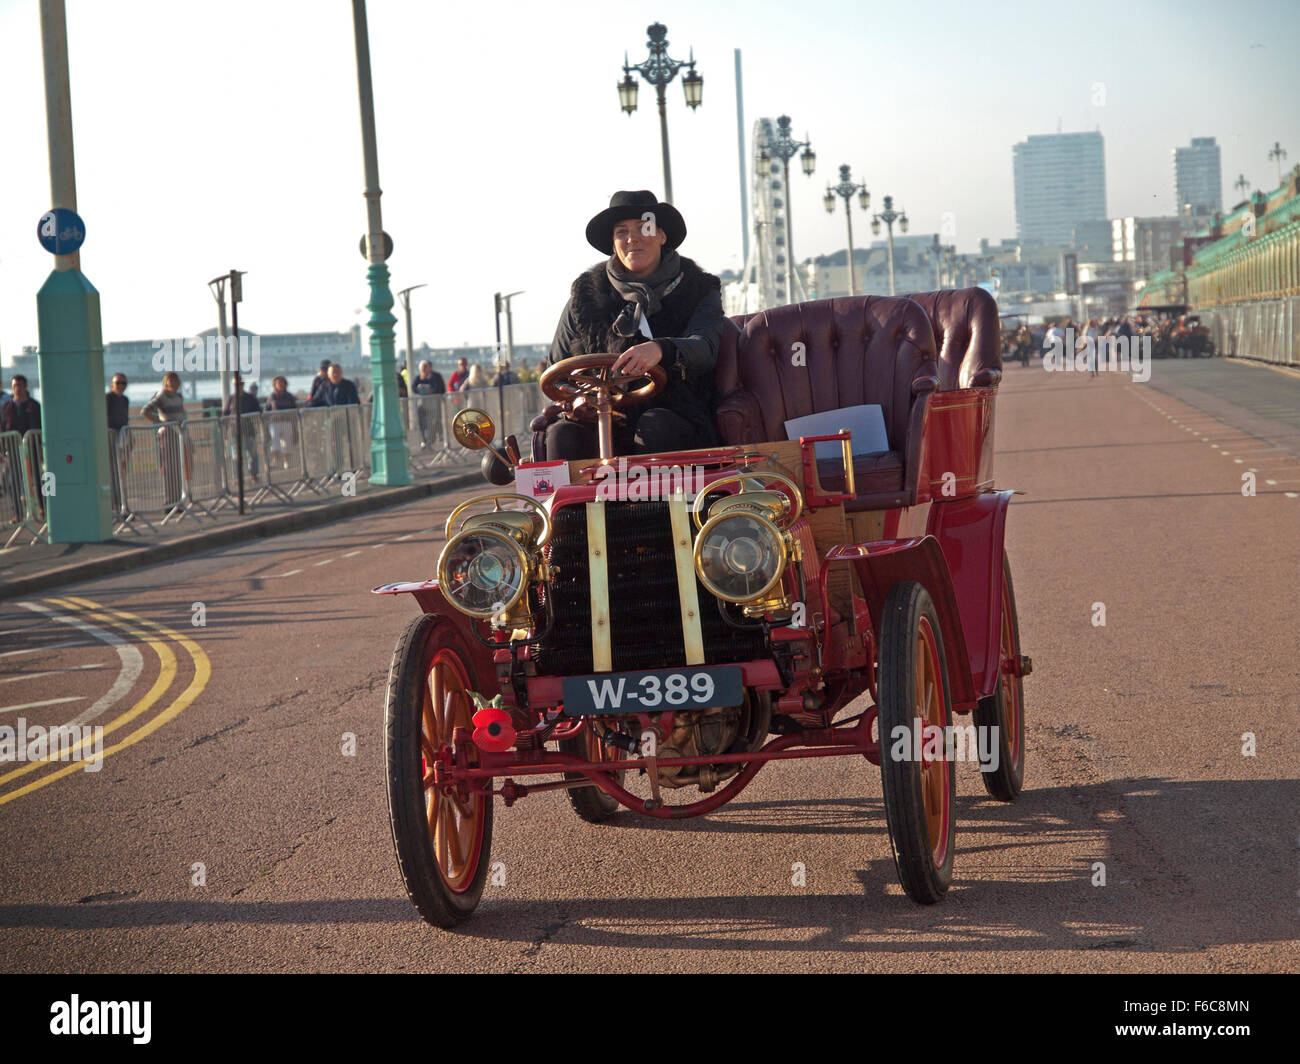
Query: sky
x,y
212,136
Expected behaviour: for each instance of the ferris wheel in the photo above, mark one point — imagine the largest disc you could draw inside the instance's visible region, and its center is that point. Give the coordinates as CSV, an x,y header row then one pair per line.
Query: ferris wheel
x,y
769,279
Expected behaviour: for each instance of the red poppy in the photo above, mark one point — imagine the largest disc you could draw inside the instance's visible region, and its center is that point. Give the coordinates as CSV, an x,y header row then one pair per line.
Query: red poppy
x,y
493,732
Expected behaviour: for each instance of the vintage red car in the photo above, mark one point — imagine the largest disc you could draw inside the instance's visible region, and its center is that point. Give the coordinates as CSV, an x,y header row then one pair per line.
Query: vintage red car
x,y
666,625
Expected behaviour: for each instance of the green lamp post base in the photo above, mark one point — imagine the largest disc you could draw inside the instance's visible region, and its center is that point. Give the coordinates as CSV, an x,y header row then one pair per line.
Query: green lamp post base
x,y
389,464
76,488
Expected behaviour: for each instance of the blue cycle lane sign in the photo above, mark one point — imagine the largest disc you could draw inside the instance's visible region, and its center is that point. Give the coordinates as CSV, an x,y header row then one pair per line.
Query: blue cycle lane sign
x,y
61,231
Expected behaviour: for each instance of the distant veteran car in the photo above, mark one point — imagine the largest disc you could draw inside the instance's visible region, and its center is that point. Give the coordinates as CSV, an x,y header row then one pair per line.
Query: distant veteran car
x,y
658,628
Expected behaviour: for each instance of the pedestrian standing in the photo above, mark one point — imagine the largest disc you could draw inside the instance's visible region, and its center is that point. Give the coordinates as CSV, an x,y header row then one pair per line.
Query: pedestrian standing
x,y
249,407
283,425
321,379
167,410
458,378
339,391
475,379
427,388
20,414
119,407
119,416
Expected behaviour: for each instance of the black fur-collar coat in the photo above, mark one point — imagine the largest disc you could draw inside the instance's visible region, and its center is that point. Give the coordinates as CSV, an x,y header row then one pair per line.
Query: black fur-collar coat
x,y
688,327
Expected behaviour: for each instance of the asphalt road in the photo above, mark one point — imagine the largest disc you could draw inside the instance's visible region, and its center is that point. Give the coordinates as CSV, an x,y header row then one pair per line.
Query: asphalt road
x,y
228,829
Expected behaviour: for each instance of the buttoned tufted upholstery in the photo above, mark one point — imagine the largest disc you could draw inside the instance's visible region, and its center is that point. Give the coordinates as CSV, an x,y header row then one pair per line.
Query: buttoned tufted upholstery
x,y
857,350
967,332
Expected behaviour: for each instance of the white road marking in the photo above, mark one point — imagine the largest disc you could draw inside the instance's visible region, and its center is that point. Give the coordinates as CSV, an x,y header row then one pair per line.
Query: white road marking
x,y
51,646
131,658
325,562
352,554
50,672
37,705
1270,482
291,572
409,535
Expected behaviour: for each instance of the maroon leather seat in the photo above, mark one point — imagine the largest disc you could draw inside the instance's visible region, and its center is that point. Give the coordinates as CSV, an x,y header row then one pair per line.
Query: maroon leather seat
x,y
810,357
968,335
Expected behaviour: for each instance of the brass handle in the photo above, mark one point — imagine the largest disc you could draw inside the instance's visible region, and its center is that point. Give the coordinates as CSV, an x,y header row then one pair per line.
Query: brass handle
x,y
796,496
496,498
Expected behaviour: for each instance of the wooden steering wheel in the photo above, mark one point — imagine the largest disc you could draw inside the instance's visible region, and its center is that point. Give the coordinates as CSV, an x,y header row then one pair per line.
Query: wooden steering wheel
x,y
583,375
588,388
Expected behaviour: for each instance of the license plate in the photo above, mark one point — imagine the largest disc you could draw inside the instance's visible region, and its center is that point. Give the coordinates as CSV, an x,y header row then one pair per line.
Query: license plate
x,y
653,691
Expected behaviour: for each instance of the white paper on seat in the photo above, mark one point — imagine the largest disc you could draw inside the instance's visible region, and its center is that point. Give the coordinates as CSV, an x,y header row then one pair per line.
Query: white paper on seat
x,y
866,423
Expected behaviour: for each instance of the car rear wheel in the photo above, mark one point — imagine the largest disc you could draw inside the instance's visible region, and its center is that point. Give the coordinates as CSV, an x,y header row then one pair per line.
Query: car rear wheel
x,y
1003,712
920,786
442,839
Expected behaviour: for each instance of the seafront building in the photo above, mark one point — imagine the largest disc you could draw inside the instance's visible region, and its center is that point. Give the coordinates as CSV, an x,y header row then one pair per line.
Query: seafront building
x,y
1060,184
1198,177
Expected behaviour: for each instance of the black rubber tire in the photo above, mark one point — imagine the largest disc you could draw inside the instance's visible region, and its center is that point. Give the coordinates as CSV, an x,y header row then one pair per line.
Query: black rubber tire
x,y
1005,782
424,637
922,879
590,803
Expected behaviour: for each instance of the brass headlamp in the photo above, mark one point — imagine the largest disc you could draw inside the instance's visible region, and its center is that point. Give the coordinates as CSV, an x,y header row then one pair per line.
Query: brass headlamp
x,y
744,546
488,565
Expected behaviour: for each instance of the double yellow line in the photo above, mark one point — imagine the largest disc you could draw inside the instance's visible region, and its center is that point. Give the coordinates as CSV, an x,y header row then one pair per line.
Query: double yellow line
x,y
138,630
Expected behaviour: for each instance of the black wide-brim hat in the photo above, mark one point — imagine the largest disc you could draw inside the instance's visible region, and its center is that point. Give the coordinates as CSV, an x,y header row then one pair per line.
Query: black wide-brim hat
x,y
624,205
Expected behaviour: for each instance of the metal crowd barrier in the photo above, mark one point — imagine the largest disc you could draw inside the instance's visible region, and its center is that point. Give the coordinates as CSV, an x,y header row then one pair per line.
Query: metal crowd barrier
x,y
22,504
154,463
1264,329
315,435
190,468
285,468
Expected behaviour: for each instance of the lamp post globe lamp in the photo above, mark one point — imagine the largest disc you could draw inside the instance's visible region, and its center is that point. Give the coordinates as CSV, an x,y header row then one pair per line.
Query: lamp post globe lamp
x,y
889,216
846,190
659,69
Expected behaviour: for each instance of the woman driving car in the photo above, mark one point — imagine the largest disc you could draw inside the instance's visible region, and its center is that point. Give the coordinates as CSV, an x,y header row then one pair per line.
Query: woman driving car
x,y
651,307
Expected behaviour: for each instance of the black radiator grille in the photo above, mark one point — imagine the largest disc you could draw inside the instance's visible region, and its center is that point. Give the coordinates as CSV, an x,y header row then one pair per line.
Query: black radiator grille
x,y
645,612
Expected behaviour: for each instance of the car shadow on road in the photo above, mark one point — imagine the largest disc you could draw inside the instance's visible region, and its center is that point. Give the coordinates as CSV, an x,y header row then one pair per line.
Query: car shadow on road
x,y
1185,869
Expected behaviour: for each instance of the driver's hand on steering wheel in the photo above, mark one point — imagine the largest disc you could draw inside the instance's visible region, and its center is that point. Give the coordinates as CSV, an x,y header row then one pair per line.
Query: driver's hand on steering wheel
x,y
636,360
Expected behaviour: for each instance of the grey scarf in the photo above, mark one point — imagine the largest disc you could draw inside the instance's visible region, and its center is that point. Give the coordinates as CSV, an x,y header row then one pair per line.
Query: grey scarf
x,y
642,295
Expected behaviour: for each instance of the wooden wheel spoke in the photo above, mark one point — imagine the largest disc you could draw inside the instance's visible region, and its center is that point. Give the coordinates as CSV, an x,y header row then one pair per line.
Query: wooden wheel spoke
x,y
465,807
458,843
444,831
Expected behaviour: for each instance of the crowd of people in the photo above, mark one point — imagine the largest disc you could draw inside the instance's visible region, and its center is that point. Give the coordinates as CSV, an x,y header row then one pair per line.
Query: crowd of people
x,y
1171,337
328,388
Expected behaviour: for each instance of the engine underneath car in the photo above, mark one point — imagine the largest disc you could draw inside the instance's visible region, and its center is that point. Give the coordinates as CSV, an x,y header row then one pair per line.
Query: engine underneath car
x,y
695,733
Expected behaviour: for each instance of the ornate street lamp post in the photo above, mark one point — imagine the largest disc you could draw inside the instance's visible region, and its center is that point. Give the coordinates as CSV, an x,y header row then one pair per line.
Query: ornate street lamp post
x,y
846,190
889,216
389,464
659,70
784,147
1276,154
